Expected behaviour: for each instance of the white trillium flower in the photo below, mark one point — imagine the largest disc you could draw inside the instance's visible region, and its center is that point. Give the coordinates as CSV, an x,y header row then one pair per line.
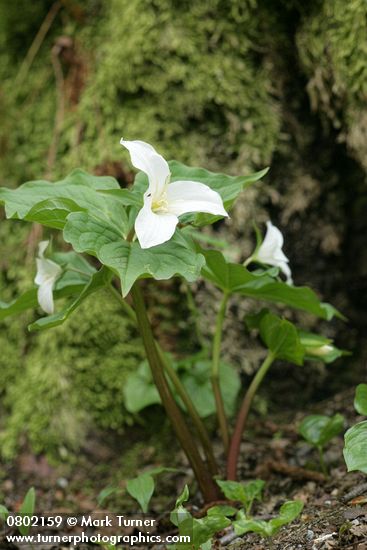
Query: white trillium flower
x,y
164,202
47,274
270,251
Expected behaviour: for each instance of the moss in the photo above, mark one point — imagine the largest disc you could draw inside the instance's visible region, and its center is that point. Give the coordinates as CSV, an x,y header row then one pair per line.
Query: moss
x,y
332,45
164,71
72,379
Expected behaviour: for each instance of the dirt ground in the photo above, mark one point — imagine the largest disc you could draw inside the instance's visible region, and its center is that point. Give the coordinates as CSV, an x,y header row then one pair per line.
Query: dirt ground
x,y
335,508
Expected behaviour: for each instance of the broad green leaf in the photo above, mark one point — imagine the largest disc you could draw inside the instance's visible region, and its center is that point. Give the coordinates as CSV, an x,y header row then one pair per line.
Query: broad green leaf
x,y
27,509
318,429
88,234
131,262
235,278
281,338
141,488
360,400
246,493
73,262
140,390
52,212
355,447
99,280
127,197
77,190
197,383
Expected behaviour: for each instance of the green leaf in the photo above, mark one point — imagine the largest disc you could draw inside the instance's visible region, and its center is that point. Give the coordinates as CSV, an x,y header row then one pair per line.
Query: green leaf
x,y
228,187
360,400
222,510
131,262
245,525
319,429
4,512
281,338
198,385
141,488
183,497
77,190
288,512
99,280
52,212
140,390
180,514
355,447
246,493
127,197
162,470
106,493
88,234
235,278
27,509
205,528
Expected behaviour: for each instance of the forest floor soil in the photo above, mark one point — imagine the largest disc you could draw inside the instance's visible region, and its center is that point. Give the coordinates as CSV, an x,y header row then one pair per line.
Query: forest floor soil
x,y
335,507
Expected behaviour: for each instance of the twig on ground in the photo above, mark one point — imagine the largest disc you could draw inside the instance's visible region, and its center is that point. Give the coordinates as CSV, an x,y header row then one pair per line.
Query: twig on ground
x,y
355,492
295,472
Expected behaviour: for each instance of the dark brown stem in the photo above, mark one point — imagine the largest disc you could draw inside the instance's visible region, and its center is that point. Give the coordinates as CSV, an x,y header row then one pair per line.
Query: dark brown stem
x,y
208,488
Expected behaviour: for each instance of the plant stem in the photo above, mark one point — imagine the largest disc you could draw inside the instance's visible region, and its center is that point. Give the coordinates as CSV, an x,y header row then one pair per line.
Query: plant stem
x,y
221,414
198,424
123,303
242,417
181,391
322,461
206,483
195,316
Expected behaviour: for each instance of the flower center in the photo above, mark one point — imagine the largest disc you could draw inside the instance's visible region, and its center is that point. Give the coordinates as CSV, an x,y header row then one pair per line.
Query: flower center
x,y
160,204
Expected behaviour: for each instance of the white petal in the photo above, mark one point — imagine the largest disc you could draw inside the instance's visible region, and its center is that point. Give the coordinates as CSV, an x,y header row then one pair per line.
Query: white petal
x,y
45,297
270,250
46,270
42,248
191,196
144,157
153,229
283,266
